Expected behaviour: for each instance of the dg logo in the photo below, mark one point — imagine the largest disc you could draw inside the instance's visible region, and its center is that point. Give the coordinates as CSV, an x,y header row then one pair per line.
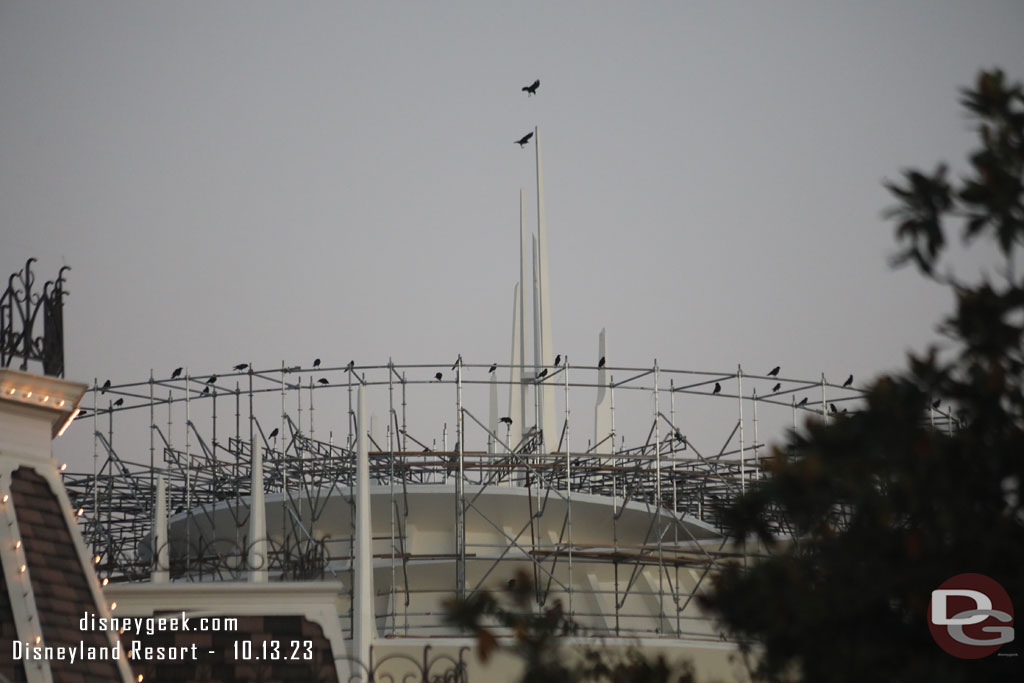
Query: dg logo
x,y
970,616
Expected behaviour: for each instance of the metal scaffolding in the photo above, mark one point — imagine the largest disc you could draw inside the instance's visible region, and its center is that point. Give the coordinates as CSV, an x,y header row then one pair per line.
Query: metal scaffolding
x,y
679,466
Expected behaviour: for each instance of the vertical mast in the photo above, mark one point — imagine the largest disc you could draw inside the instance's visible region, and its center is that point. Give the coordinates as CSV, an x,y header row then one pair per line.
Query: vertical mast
x,y
545,352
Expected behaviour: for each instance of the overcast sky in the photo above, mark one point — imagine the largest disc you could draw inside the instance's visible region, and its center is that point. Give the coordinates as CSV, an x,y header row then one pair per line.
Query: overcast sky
x,y
268,181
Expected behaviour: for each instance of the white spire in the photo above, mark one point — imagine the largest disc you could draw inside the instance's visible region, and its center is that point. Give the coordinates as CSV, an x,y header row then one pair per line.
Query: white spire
x,y
546,352
258,557
364,627
160,572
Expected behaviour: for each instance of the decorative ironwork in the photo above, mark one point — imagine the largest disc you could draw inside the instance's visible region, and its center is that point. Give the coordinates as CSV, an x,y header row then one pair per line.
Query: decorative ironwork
x,y
20,307
437,668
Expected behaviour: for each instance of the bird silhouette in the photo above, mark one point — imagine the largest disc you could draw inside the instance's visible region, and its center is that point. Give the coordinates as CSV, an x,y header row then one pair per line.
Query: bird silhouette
x,y
240,367
679,435
558,360
778,385
600,363
542,374
718,388
273,433
316,363
177,373
213,378
531,89
119,402
494,366
351,366
438,376
205,391
775,371
802,402
106,385
832,407
849,381
523,140
323,380
936,403
457,361
506,420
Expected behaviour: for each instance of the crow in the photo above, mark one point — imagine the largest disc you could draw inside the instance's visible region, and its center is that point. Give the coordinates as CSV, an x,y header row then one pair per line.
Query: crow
x,y
494,366
542,374
523,140
600,363
679,435
506,420
106,385
323,380
718,388
802,402
936,403
832,407
778,385
775,371
240,367
316,363
438,376
558,360
849,381
119,402
177,373
205,391
213,378
273,433
531,89
351,366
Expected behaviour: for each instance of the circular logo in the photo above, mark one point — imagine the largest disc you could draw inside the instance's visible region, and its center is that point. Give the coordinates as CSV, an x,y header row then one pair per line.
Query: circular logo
x,y
970,616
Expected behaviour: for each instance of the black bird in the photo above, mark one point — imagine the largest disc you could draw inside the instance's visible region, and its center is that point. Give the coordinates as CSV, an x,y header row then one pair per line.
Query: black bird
x,y
849,381
323,380
558,360
438,376
778,385
351,366
832,407
273,433
316,363
213,378
600,363
679,436
531,89
240,367
512,582
119,402
179,509
206,390
506,420
106,385
802,402
494,366
775,371
177,373
718,388
523,140
457,361
82,413
542,374
936,403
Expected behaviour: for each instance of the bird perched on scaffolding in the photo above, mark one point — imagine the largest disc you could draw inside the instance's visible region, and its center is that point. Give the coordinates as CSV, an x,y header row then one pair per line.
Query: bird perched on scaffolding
x,y
177,373
775,371
600,363
106,385
273,434
802,402
323,380
542,374
205,391
351,366
718,388
506,420
212,379
778,385
848,382
118,403
240,367
494,366
316,363
438,376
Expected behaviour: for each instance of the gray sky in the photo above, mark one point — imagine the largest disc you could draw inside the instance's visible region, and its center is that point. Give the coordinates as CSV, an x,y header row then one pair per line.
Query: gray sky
x,y
268,181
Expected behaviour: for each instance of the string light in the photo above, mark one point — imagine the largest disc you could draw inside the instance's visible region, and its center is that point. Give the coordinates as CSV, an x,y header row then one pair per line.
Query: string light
x,y
17,544
105,581
113,606
4,498
23,568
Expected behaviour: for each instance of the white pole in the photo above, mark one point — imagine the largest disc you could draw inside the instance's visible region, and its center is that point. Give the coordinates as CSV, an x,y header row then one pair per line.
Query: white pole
x,y
364,626
160,572
258,558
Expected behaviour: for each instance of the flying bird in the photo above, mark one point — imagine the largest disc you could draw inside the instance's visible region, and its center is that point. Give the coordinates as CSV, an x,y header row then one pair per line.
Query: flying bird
x,y
718,388
316,363
119,402
438,376
778,385
775,371
106,385
213,378
558,360
542,374
240,367
273,433
531,89
600,363
177,373
802,402
494,366
351,366
323,380
523,140
849,381
506,420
